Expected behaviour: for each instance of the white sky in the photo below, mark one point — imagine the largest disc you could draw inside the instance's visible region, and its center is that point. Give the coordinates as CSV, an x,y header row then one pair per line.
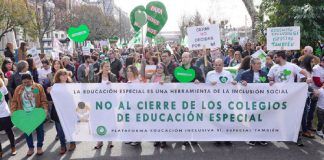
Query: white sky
x,y
233,10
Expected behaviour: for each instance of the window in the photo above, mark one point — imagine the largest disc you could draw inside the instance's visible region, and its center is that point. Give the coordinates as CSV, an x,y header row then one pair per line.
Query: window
x,y
62,36
56,35
48,44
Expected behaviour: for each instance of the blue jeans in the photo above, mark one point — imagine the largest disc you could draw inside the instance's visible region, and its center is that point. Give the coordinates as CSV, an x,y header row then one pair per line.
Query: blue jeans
x,y
308,114
61,134
40,137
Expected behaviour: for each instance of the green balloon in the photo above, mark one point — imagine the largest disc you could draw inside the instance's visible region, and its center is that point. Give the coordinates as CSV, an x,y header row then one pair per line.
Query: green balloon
x,y
27,122
137,18
157,17
140,18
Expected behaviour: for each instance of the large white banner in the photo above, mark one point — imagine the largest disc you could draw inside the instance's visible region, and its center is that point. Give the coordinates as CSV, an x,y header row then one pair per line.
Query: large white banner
x,y
203,36
283,38
180,112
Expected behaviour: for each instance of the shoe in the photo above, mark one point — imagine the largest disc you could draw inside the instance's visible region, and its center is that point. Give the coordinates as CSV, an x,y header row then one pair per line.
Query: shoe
x,y
194,143
163,145
185,143
30,152
320,133
156,144
308,134
300,142
251,143
39,151
128,142
72,147
134,143
110,145
63,150
56,138
263,143
99,145
228,143
13,151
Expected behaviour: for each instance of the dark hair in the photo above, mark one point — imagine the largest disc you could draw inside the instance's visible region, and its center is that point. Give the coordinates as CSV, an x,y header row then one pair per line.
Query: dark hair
x,y
5,62
61,65
129,61
45,61
281,54
26,76
245,64
95,58
23,45
85,57
167,51
81,105
307,63
155,59
30,62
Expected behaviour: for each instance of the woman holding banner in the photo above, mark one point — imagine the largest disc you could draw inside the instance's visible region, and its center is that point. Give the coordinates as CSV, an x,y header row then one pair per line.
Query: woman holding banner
x,y
254,75
104,76
61,76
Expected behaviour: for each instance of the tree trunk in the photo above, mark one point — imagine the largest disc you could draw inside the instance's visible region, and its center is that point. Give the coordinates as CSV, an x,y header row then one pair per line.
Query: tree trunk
x,y
41,45
249,5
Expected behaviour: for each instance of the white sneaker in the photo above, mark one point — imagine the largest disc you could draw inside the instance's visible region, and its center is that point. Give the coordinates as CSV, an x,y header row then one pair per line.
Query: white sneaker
x,y
2,132
320,133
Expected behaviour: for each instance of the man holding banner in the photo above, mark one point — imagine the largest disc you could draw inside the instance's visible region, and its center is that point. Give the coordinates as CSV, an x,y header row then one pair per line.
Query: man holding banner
x,y
285,72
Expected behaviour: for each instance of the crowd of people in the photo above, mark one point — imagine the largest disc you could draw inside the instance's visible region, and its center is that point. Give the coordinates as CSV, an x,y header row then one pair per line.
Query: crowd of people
x,y
23,86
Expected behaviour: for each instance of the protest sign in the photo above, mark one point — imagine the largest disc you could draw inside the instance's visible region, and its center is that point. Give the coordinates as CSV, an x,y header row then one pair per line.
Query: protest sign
x,y
34,54
157,17
86,50
260,54
201,36
79,34
180,112
283,38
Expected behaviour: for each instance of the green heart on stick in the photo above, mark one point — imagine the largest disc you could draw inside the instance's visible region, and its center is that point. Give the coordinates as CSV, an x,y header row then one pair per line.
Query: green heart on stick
x,y
138,17
157,17
79,34
27,122
223,79
183,75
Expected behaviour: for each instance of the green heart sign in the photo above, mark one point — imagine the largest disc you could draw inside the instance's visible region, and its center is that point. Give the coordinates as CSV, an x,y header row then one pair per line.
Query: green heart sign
x,y
286,72
262,79
138,17
183,75
223,79
157,16
27,122
79,34
113,39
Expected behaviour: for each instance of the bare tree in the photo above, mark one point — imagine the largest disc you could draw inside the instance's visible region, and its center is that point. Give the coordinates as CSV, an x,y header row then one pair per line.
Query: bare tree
x,y
249,5
43,22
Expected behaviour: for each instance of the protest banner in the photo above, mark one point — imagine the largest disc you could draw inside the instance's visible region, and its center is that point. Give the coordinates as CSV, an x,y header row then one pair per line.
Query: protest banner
x,y
201,36
34,54
283,38
260,54
86,50
180,112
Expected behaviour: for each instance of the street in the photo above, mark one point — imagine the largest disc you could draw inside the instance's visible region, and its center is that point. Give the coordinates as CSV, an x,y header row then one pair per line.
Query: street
x,y
313,150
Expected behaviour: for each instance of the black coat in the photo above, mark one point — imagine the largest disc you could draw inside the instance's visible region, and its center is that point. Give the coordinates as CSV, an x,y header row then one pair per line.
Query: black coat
x,y
249,75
